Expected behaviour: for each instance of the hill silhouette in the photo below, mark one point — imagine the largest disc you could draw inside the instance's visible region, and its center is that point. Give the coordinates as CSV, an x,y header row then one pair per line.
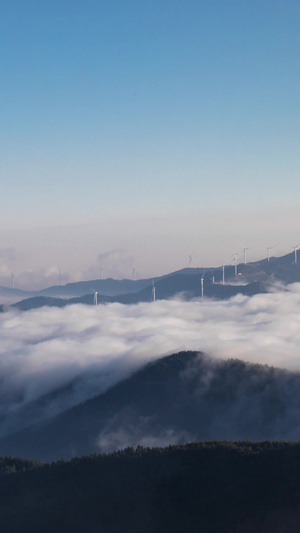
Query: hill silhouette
x,y
212,487
188,286
252,278
179,398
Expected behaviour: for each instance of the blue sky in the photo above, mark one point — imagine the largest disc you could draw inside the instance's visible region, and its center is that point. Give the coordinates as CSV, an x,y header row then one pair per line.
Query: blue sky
x,y
147,124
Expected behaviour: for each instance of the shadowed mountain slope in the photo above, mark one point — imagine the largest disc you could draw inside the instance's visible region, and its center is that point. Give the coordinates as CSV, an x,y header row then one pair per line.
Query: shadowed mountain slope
x,y
178,398
107,287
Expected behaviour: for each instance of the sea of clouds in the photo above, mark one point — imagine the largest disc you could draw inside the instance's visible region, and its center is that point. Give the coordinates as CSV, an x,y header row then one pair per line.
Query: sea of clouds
x,y
56,358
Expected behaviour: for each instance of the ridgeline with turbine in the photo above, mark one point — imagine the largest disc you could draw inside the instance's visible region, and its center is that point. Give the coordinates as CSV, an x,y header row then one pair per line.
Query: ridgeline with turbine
x,y
241,278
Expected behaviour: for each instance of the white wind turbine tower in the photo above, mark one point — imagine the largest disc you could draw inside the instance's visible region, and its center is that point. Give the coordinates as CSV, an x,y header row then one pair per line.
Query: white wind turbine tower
x,y
133,273
95,297
295,248
235,259
223,275
190,261
268,251
202,285
153,291
245,255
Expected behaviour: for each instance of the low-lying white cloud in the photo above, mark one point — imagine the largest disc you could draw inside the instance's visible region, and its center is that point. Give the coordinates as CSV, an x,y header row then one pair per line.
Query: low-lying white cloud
x,y
80,351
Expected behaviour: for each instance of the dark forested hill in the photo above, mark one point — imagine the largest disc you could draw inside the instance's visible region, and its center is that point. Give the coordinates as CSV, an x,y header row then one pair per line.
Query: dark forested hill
x,y
183,397
212,487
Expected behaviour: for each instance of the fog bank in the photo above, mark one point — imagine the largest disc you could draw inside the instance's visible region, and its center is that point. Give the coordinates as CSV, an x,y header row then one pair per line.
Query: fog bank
x,y
63,356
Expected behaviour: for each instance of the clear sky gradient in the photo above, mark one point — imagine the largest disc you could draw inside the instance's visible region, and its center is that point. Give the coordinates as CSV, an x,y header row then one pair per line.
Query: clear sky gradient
x,y
146,131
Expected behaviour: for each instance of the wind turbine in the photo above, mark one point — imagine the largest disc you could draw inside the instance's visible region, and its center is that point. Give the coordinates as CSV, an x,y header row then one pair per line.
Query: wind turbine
x,y
190,261
268,251
153,291
245,255
235,259
295,248
100,271
133,273
202,283
95,297
223,275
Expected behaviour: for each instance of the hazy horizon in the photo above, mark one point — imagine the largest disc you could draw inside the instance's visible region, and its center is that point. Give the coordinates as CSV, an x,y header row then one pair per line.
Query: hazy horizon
x,y
137,134
36,255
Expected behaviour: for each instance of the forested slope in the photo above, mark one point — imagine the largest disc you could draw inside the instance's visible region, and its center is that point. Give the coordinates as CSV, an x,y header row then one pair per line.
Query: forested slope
x,y
210,487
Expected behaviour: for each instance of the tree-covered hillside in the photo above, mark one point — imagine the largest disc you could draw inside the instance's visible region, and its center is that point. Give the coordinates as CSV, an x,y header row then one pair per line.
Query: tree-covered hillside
x,y
238,487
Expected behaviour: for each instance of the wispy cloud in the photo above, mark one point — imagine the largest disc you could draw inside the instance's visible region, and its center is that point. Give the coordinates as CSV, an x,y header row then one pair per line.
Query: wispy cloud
x,y
129,429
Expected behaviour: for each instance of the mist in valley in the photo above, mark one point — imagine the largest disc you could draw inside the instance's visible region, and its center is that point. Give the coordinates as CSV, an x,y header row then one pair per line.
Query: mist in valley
x,y
54,359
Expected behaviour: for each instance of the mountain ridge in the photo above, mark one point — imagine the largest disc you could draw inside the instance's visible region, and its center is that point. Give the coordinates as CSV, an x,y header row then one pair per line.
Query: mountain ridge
x,y
183,397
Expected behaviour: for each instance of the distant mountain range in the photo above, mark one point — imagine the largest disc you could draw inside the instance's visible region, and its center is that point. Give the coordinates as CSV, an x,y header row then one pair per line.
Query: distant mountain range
x,y
177,399
252,278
